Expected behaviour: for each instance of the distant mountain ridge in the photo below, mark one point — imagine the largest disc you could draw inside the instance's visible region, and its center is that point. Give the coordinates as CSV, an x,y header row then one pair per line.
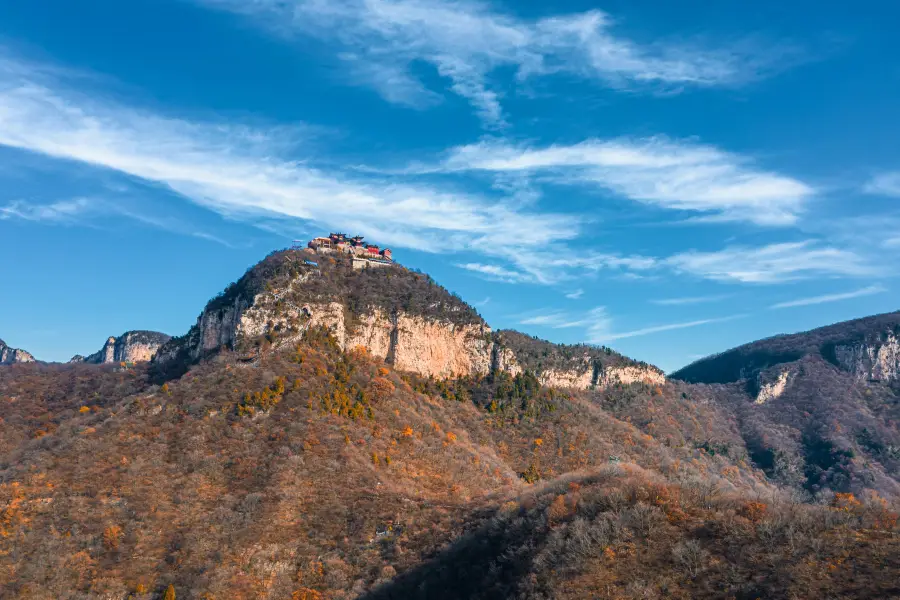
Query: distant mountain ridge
x,y
817,409
867,346
10,356
132,346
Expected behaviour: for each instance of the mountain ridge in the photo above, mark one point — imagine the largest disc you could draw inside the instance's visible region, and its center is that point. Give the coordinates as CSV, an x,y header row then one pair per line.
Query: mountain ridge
x,y
132,346
402,316
9,356
297,449
741,362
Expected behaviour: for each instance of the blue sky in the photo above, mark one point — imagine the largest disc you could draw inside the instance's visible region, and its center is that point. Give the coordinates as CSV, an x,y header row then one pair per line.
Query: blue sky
x,y
665,178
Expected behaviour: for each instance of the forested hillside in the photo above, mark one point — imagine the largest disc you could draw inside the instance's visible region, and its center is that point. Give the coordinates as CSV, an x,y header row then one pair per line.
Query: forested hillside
x,y
312,470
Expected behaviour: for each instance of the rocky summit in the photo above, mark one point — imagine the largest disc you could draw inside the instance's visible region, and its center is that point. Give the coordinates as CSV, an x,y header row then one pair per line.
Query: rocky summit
x,y
400,316
336,426
131,347
10,356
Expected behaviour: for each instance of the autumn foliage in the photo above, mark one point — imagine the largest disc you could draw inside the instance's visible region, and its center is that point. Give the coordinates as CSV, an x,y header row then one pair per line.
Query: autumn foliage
x,y
314,474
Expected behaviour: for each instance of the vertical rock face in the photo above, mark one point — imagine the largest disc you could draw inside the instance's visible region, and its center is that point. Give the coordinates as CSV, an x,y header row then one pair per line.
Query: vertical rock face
x,y
430,347
10,356
410,343
132,346
441,350
772,390
579,366
397,315
504,359
629,374
879,361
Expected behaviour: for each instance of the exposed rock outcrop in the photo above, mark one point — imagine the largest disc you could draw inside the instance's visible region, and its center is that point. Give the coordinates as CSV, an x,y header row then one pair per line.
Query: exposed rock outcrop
x,y
871,360
397,315
10,356
575,366
772,390
409,342
131,346
504,359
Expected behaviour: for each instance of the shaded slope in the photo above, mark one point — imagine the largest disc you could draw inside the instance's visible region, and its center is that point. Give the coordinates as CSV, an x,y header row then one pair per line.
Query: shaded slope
x,y
744,361
818,410
621,533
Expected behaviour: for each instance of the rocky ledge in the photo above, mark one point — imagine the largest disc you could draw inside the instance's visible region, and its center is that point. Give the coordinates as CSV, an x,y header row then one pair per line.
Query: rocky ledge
x,y
131,346
10,356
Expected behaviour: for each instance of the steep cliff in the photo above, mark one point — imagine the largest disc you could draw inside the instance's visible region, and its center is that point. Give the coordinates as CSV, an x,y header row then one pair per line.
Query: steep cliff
x,y
10,356
771,389
876,358
560,365
131,346
399,315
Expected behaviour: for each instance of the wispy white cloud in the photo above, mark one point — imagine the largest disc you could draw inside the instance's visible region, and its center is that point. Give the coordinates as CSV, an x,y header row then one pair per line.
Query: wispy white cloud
x,y
608,337
556,320
672,174
866,291
56,212
772,263
498,273
553,264
599,326
575,294
252,172
596,322
466,41
885,184
768,264
690,300
86,210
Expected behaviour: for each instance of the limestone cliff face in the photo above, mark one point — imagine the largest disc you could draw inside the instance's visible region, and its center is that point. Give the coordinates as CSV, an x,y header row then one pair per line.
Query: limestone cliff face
x,y
132,346
504,359
627,375
579,366
400,316
567,378
593,375
431,347
409,342
773,389
214,329
879,361
10,356
444,350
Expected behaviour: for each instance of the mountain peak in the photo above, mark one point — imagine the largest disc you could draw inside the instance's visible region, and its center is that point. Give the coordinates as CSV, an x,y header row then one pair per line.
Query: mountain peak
x,y
400,315
10,356
132,346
